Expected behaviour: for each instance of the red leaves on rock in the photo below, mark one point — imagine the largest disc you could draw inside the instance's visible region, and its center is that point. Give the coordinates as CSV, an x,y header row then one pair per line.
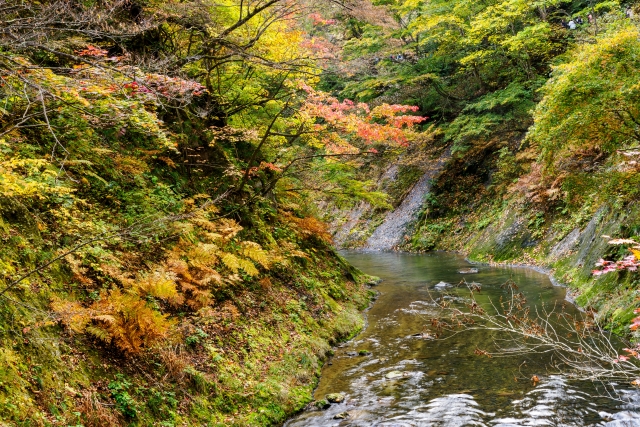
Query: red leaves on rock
x,y
629,263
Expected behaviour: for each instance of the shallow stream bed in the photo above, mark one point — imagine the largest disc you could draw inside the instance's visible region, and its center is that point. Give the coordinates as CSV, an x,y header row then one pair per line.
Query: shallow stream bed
x,y
392,376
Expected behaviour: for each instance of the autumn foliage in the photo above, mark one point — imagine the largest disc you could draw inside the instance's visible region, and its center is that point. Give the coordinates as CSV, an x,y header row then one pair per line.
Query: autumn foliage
x,y
346,125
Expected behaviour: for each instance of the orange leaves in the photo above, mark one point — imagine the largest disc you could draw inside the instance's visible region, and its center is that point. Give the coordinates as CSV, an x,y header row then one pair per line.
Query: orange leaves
x,y
344,125
311,227
321,47
122,319
318,19
269,166
635,323
264,166
92,51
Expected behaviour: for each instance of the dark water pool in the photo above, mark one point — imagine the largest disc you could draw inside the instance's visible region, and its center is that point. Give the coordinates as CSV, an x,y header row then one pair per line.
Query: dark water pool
x,y
412,381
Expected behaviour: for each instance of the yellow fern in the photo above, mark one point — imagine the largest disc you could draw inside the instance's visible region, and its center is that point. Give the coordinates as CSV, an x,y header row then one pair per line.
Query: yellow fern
x,y
100,333
255,252
228,228
157,285
203,255
72,314
205,224
231,261
248,267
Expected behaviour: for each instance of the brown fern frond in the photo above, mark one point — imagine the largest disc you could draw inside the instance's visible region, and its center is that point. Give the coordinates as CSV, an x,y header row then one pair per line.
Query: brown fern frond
x,y
97,414
312,227
208,277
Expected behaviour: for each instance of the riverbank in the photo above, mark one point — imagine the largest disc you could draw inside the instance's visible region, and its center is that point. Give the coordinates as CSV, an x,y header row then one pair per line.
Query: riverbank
x,y
254,359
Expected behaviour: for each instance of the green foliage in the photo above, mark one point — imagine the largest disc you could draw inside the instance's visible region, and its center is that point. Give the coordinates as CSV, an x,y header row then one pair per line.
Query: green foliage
x,y
196,338
124,402
585,114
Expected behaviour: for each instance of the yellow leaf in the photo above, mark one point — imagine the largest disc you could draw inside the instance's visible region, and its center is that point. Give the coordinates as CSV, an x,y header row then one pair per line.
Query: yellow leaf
x,y
231,261
248,267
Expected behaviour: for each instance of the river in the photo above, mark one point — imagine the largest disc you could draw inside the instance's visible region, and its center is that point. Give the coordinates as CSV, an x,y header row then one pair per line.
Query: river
x,y
406,380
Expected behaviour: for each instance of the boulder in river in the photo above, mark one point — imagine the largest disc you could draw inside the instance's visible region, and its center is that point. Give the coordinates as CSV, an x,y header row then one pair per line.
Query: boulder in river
x,y
423,335
443,285
341,416
335,397
468,271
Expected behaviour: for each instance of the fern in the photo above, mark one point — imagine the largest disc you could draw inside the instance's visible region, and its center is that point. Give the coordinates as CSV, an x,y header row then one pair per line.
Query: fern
x,y
248,267
228,228
122,319
311,227
73,315
203,255
209,276
255,252
157,285
104,318
205,224
231,261
200,298
100,333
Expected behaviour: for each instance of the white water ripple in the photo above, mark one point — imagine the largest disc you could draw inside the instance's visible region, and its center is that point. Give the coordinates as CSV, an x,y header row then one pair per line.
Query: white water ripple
x,y
454,410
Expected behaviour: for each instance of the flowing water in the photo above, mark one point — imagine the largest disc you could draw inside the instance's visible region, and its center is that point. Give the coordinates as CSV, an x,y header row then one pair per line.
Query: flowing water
x,y
408,380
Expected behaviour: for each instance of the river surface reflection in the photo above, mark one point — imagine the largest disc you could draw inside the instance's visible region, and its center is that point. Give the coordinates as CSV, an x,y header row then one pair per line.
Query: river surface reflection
x,y
407,380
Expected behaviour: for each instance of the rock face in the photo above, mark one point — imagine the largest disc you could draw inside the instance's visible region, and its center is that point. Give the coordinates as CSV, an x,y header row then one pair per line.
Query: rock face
x,y
343,231
390,233
566,245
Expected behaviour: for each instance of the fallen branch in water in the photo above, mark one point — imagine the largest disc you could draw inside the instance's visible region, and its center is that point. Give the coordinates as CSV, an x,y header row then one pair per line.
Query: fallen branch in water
x,y
580,346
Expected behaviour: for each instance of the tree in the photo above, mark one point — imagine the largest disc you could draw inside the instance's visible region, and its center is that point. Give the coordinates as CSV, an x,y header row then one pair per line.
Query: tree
x,y
581,111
